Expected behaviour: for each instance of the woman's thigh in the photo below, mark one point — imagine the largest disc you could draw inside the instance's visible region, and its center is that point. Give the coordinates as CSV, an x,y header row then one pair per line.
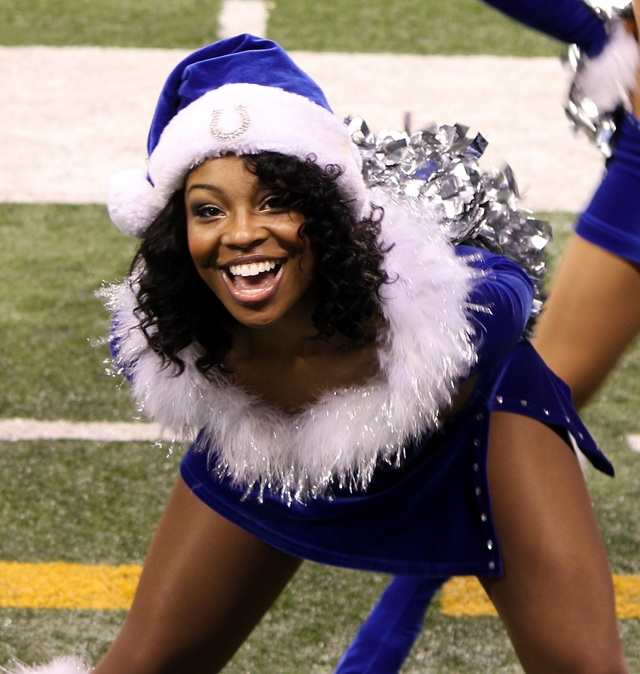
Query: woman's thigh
x,y
590,318
556,595
205,585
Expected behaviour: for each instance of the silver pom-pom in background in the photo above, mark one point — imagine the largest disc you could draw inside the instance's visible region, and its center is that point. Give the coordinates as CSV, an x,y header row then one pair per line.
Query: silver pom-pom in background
x,y
599,93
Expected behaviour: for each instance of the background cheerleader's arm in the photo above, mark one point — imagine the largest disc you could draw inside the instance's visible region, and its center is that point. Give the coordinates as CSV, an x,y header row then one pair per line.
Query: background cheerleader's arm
x,y
566,20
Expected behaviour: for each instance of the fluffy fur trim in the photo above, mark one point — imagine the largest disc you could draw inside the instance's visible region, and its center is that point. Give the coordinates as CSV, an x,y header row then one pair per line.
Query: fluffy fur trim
x,y
67,665
237,119
608,78
425,350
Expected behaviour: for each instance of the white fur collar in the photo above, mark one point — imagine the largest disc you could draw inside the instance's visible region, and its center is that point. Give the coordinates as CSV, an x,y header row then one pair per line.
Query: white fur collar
x,y
62,665
346,433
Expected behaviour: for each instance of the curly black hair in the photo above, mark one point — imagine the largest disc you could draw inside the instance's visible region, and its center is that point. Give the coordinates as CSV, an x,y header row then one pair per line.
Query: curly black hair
x,y
176,307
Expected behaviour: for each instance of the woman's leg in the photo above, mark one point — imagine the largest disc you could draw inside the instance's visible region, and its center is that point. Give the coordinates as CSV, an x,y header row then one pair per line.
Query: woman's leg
x,y
590,318
385,639
556,595
205,585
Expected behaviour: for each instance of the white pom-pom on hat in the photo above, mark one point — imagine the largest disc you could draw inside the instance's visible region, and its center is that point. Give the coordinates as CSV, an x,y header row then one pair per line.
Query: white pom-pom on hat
x,y
132,202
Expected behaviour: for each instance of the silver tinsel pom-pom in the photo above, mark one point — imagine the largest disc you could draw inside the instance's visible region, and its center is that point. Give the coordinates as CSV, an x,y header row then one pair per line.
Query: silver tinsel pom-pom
x,y
439,164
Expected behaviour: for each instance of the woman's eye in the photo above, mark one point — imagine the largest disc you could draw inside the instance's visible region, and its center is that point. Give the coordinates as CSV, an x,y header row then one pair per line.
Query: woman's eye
x,y
273,203
207,211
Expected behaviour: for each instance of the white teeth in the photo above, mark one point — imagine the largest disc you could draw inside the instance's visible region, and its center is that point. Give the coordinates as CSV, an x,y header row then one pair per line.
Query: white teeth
x,y
252,269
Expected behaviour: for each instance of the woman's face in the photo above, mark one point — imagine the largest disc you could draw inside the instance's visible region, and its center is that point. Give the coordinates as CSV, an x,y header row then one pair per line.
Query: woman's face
x,y
244,245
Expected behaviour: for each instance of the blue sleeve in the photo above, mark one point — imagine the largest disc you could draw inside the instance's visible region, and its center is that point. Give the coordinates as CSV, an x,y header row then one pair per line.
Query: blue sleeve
x,y
612,219
566,20
499,305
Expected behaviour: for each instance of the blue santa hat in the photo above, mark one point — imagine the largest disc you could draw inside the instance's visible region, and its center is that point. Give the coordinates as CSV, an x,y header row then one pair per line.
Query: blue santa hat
x,y
241,96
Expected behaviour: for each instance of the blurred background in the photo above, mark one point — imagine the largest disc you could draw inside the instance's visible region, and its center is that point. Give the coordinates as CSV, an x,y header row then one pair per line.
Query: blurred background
x,y
78,84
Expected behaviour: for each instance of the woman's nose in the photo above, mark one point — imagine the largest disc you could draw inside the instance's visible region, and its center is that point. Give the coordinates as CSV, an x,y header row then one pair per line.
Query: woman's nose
x,y
244,230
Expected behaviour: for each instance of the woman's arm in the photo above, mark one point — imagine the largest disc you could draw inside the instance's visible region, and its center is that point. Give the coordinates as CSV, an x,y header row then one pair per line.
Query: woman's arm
x,y
499,305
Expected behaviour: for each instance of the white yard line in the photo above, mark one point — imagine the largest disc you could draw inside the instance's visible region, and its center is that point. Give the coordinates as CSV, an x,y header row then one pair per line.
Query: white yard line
x,y
243,16
72,116
634,442
13,430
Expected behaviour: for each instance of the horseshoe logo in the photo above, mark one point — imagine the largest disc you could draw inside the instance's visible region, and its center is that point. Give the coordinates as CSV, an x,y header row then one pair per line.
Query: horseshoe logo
x,y
244,124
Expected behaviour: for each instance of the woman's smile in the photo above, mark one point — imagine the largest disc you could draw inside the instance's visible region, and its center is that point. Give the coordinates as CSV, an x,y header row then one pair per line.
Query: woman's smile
x,y
253,279
246,246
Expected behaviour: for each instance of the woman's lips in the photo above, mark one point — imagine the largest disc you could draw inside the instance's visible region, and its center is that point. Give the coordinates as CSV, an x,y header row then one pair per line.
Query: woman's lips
x,y
254,288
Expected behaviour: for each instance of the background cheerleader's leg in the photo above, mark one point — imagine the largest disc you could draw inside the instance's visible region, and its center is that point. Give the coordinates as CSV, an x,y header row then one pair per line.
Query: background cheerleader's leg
x,y
385,639
591,317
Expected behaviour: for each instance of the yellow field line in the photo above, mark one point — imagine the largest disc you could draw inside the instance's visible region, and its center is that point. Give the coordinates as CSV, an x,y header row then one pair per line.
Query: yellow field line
x,y
70,586
61,585
464,596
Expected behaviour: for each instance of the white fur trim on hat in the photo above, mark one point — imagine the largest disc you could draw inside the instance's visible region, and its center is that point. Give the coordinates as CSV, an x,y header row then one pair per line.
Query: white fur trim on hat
x,y
235,119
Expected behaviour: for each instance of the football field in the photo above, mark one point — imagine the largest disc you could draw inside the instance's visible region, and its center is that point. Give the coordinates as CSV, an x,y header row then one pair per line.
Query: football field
x,y
77,514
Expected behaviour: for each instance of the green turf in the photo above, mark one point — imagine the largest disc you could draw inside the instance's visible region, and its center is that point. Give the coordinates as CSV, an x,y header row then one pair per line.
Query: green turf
x,y
412,27
52,260
562,225
87,502
32,636
306,631
99,502
118,23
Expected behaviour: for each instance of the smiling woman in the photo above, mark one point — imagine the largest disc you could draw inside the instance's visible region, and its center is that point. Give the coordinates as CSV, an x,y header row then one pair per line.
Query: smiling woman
x,y
246,246
357,390
236,214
